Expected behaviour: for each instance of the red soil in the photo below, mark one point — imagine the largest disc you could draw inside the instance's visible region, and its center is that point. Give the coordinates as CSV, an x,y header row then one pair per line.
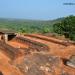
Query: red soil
x,y
56,48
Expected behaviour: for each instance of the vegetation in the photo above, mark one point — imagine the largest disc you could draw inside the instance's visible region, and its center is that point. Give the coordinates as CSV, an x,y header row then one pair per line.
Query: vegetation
x,y
63,26
66,27
27,26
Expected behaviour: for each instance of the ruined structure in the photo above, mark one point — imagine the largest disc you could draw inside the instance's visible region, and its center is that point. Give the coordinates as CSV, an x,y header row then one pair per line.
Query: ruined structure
x,y
33,54
6,35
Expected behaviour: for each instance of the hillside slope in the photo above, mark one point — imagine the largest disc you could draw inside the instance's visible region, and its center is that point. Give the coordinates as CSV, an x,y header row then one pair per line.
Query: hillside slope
x,y
28,26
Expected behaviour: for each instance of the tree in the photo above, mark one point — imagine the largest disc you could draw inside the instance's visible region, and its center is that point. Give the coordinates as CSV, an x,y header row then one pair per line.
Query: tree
x,y
45,30
66,27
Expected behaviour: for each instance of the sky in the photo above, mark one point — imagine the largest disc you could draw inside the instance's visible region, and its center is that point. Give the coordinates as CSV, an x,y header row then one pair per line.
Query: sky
x,y
36,9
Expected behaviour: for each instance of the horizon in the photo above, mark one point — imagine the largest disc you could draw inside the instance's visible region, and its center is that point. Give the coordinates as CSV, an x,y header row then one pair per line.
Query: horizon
x,y
36,10
35,19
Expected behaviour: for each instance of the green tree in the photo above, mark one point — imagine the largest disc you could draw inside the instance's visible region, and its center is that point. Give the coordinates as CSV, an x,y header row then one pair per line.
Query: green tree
x,y
66,27
45,30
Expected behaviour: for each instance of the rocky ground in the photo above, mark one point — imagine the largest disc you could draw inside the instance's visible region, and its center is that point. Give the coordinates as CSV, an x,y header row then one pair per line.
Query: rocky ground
x,y
32,59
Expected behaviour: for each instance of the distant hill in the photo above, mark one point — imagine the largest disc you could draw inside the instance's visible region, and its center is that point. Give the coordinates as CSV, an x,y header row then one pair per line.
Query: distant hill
x,y
28,26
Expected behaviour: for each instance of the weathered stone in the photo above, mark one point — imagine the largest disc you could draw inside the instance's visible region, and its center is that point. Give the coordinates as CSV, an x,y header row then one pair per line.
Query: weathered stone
x,y
71,61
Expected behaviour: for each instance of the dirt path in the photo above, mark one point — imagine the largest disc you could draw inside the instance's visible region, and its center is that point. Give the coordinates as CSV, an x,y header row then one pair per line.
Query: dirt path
x,y
17,44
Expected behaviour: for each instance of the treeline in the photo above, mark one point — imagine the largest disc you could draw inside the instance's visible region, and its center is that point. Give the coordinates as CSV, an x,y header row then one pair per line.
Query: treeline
x,y
28,26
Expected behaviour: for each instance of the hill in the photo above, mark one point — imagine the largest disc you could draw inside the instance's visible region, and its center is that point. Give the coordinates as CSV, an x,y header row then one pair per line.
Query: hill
x,y
28,26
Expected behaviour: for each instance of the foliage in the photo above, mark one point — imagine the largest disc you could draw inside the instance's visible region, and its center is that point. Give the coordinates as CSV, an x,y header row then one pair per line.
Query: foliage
x,y
66,27
27,26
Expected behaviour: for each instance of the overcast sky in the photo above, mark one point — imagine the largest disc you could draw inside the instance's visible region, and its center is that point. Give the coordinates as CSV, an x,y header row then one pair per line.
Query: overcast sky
x,y
36,9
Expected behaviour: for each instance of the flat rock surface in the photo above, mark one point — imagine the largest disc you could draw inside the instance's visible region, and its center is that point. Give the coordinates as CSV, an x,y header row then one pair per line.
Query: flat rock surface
x,y
39,64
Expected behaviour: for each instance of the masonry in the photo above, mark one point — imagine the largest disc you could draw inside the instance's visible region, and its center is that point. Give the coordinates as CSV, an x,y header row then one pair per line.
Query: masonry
x,y
6,35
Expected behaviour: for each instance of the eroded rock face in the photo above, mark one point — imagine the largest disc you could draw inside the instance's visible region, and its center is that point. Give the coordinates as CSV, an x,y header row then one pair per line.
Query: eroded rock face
x,y
71,61
39,64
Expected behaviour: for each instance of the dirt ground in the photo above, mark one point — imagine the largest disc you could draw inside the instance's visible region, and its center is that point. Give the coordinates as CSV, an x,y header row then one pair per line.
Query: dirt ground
x,y
51,62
